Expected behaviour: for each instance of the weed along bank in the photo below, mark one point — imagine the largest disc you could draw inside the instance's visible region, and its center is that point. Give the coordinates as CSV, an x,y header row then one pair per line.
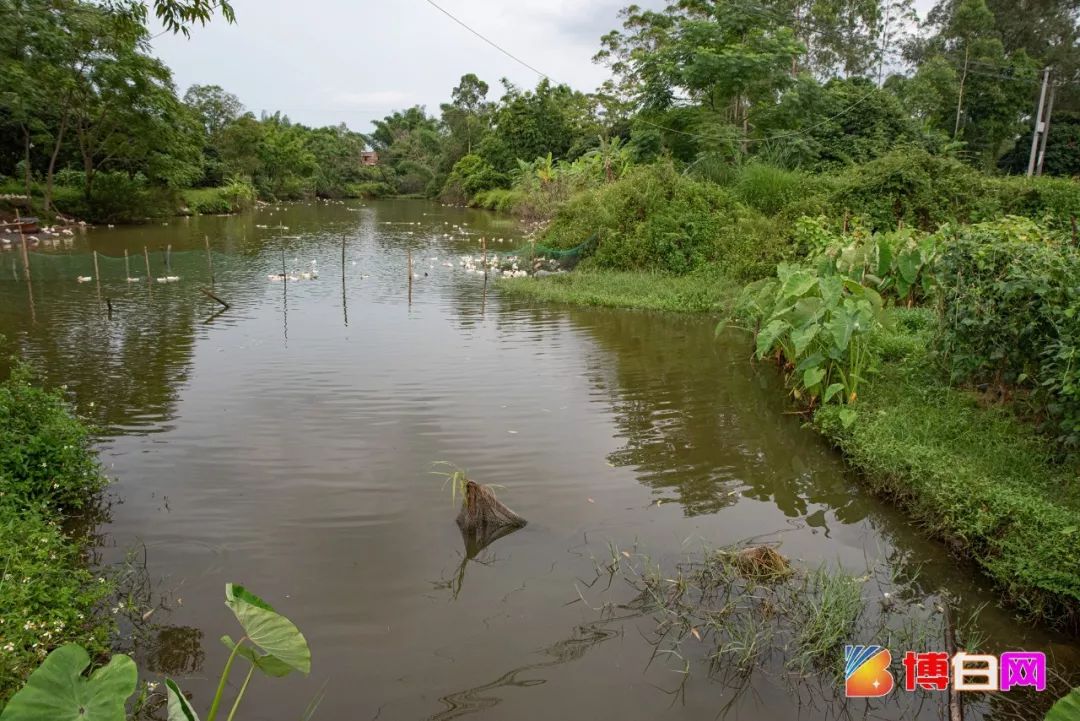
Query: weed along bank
x,y
724,369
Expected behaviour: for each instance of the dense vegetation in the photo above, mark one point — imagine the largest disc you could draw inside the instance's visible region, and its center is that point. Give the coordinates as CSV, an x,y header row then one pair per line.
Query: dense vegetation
x,y
788,92
47,474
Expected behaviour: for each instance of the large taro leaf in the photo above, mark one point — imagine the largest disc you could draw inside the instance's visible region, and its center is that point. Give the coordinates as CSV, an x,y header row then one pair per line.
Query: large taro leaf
x,y
884,256
269,630
179,708
801,338
909,262
1067,708
769,335
831,287
812,377
58,691
798,284
269,664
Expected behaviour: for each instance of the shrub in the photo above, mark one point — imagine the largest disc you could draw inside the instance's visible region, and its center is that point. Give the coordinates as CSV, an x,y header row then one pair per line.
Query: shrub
x,y
47,595
45,455
909,185
768,188
121,198
369,189
656,219
499,199
1010,315
1054,201
469,176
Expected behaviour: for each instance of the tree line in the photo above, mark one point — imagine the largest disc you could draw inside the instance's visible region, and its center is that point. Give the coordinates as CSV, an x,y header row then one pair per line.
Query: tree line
x,y
92,120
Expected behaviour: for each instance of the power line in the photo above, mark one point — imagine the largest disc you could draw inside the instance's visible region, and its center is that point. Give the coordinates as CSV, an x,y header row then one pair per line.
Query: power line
x,y
778,136
493,44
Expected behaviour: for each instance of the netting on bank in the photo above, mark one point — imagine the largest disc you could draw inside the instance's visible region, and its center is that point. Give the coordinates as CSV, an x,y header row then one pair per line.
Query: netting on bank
x,y
155,266
566,258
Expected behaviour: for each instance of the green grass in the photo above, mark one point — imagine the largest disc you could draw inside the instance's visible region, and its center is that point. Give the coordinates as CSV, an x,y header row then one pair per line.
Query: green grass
x,y
206,201
695,293
978,477
48,597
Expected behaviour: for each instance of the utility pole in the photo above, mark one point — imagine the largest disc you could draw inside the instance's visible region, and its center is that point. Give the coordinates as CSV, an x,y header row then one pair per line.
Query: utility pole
x,y
1046,130
1038,123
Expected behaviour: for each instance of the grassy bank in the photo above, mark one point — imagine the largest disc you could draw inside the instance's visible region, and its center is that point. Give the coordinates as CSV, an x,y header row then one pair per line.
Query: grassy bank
x,y
696,293
973,474
48,475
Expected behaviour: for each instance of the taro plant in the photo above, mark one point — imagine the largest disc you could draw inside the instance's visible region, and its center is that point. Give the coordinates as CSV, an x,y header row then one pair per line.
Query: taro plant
x,y
817,326
1067,708
898,264
58,690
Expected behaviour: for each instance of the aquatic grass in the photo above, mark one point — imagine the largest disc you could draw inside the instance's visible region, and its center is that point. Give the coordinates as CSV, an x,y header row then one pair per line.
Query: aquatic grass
x,y
825,614
788,622
699,292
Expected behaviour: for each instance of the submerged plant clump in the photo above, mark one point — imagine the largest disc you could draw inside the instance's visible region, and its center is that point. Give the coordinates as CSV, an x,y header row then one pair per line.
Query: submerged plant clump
x,y
750,615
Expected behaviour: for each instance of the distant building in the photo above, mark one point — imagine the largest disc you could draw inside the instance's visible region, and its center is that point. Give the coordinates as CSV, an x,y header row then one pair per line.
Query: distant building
x,y
369,157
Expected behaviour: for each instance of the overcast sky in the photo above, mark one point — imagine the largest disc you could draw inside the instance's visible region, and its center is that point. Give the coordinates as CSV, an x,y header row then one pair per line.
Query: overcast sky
x,y
324,62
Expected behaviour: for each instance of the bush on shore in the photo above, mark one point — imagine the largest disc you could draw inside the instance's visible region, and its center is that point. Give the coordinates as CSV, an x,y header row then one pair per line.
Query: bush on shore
x,y
48,471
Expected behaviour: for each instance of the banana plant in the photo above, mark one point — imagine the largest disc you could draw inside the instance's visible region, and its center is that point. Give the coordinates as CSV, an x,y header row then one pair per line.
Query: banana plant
x,y
59,690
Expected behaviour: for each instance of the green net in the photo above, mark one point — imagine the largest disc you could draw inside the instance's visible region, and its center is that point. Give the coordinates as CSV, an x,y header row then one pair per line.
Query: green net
x,y
565,258
80,267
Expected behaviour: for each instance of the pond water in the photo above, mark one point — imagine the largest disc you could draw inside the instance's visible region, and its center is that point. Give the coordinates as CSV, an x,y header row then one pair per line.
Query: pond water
x,y
287,444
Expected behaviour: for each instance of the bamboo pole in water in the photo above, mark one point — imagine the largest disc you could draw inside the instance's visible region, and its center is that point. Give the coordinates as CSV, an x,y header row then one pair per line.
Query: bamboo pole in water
x,y
26,268
168,259
483,244
97,277
410,275
146,256
22,244
127,265
209,260
344,301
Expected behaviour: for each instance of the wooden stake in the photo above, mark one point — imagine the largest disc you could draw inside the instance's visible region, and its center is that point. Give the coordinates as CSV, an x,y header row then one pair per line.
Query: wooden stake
x,y
108,304
209,294
410,275
26,268
209,259
344,301
483,244
22,243
127,265
97,277
168,259
146,255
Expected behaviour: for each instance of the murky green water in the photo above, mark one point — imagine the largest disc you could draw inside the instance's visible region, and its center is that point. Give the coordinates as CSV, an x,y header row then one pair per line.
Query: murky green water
x,y
287,443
